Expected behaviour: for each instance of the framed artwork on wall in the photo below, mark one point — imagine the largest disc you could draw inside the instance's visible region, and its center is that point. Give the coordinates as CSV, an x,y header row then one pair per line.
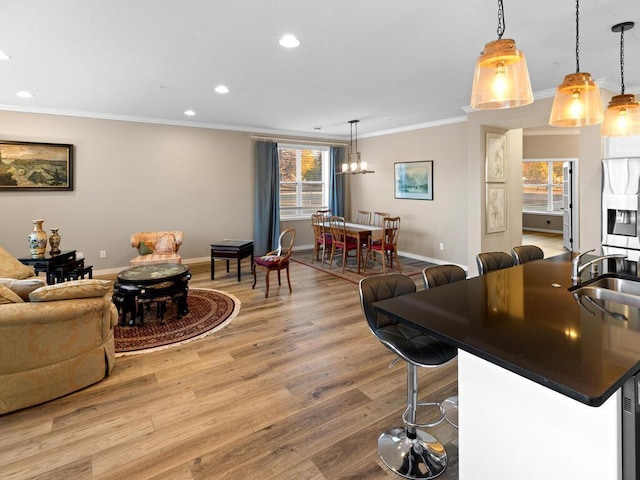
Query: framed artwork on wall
x,y
414,180
35,166
496,214
496,157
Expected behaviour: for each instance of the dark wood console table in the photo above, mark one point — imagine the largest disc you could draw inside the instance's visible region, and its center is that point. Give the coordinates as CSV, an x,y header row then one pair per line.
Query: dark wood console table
x,y
59,268
227,249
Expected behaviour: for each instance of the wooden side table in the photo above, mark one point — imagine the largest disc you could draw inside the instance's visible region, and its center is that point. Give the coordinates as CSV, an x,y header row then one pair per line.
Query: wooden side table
x,y
227,249
54,266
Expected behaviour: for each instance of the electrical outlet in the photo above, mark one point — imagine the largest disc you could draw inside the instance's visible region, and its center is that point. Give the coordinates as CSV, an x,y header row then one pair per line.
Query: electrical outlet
x,y
79,255
103,254
441,246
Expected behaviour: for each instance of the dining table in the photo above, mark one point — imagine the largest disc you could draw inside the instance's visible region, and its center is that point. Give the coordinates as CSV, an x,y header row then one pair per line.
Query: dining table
x,y
361,232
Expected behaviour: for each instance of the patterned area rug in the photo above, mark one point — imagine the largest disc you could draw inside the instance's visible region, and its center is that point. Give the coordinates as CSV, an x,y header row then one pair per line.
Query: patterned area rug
x,y
209,311
351,271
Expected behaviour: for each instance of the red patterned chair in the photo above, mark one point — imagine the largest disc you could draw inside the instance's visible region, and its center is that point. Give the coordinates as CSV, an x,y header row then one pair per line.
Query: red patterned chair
x,y
276,260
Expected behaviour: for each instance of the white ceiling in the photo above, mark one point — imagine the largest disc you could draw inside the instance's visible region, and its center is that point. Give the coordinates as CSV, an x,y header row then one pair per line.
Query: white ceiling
x,y
391,64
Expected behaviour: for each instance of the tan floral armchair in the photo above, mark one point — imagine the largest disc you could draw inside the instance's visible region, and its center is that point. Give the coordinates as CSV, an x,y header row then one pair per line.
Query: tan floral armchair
x,y
156,247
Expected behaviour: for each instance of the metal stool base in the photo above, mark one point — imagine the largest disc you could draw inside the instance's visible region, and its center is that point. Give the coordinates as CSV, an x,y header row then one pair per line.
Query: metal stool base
x,y
450,407
422,458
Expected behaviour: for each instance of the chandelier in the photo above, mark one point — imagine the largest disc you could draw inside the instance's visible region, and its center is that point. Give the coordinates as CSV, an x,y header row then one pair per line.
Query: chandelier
x,y
622,117
354,164
577,101
501,78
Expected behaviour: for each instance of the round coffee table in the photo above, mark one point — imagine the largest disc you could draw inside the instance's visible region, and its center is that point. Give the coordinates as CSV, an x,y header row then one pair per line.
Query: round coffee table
x,y
147,284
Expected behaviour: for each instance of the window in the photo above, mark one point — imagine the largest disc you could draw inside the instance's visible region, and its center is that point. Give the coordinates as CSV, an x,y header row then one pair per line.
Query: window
x,y
542,186
304,186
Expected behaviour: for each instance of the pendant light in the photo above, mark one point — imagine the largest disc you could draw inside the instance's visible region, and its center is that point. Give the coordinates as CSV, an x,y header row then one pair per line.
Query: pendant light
x,y
501,79
354,164
622,117
577,102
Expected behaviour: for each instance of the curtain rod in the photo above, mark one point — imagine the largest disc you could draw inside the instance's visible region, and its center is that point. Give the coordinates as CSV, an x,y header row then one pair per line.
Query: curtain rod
x,y
300,140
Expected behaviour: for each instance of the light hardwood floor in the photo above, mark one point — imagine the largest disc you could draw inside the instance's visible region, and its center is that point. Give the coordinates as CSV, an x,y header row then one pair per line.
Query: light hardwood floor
x,y
296,387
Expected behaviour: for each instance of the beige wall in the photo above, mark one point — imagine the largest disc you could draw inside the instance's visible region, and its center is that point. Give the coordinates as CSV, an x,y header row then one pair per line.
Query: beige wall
x,y
133,177
425,224
551,146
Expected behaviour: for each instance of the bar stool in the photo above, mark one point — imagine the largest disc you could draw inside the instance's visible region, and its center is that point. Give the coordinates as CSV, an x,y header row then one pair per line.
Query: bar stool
x,y
434,277
407,450
490,261
526,253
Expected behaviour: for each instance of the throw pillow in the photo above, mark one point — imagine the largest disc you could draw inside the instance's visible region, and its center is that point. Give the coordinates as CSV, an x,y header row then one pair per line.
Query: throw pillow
x,y
12,268
23,287
69,290
8,296
144,249
166,244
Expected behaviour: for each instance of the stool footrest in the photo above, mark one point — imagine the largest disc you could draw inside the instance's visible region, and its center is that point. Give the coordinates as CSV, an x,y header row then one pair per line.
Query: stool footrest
x,y
424,425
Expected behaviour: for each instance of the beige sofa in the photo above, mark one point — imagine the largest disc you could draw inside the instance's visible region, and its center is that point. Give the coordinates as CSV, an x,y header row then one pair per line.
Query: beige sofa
x,y
58,341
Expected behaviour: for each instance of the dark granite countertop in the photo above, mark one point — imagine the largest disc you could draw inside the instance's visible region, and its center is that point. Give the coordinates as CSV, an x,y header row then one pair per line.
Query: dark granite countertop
x,y
525,320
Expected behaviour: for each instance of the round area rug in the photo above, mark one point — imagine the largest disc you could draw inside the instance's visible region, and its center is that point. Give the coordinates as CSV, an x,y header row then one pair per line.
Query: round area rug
x,y
209,311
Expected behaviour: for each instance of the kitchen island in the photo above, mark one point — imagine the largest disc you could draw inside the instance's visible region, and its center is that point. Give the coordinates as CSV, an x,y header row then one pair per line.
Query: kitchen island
x,y
539,374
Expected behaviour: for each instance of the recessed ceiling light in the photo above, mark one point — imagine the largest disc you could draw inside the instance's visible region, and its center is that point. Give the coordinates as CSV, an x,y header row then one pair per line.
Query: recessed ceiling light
x,y
221,89
189,113
4,56
289,41
25,94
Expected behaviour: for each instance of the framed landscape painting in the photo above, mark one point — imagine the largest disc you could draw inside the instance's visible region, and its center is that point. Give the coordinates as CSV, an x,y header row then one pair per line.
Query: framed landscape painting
x,y
35,166
414,180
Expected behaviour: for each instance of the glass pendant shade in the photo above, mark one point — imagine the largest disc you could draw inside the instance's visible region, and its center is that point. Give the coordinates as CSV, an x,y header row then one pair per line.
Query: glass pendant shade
x,y
577,102
622,118
501,79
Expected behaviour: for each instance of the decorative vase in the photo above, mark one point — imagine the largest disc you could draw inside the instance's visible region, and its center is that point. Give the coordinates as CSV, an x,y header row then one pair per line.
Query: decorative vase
x,y
37,240
54,241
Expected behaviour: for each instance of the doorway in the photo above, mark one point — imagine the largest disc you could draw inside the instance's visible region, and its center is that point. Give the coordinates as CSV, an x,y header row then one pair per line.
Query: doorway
x,y
548,216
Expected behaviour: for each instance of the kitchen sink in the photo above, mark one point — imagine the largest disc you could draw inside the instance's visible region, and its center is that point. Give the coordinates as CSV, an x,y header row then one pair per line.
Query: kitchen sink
x,y
617,284
613,295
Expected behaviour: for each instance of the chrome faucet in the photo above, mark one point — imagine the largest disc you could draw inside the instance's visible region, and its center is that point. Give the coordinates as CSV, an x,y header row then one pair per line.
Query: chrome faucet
x,y
577,267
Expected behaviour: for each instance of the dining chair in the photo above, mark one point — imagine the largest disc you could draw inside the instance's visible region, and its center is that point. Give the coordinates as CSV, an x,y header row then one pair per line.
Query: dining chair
x,y
276,260
325,212
340,240
407,450
322,236
378,217
526,253
433,277
490,261
387,246
363,217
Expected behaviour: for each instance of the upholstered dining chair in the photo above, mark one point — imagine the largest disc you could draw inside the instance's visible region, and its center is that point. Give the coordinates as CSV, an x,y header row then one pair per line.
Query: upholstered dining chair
x,y
326,212
436,276
526,253
407,450
322,236
363,217
378,217
340,241
490,261
387,246
276,260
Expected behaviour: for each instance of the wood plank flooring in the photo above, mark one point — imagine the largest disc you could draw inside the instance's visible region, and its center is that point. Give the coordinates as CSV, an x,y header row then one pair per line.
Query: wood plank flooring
x,y
296,387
